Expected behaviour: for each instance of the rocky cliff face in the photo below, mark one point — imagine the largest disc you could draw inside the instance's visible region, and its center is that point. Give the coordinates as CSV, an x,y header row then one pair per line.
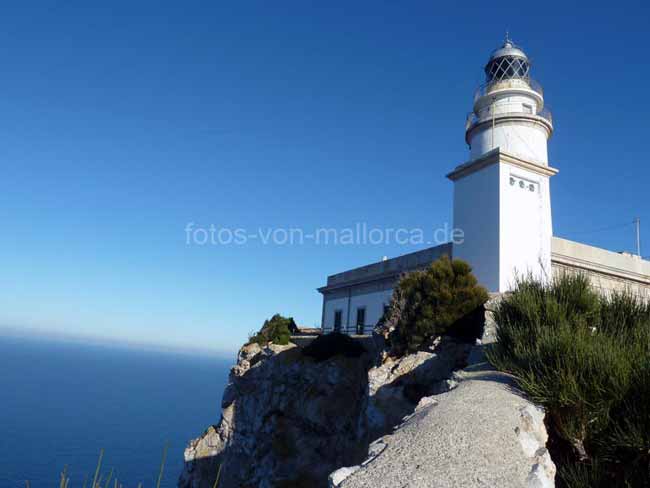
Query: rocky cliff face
x,y
287,421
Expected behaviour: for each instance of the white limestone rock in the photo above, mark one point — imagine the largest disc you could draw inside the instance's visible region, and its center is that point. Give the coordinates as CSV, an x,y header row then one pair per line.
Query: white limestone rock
x,y
533,437
480,434
337,477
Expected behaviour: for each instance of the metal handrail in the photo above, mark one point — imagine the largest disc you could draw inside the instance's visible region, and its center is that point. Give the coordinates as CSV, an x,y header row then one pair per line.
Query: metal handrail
x,y
486,88
473,119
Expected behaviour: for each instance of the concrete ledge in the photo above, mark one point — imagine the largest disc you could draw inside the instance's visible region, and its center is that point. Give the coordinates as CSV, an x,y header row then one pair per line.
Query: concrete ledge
x,y
498,156
390,268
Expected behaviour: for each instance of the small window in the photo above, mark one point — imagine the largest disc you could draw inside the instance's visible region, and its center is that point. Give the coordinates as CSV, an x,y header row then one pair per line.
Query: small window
x,y
528,109
361,319
338,316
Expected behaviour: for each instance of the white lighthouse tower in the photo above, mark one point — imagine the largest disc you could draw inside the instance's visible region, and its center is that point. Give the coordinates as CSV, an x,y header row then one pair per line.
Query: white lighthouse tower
x,y
501,195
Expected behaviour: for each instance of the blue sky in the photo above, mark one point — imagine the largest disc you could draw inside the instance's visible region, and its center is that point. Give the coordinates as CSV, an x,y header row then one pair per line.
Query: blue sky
x,y
121,123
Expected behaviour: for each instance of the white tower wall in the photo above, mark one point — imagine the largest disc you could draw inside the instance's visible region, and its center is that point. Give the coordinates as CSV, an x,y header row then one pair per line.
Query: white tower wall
x,y
502,203
522,139
479,217
525,225
504,101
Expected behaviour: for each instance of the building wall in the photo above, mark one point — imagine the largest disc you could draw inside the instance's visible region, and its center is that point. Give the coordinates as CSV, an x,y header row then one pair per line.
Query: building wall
x,y
510,103
527,140
476,213
502,205
525,226
607,271
373,297
370,287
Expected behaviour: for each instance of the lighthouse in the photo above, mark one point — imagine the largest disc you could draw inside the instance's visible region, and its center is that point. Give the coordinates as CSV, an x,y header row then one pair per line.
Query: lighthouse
x,y
501,194
502,203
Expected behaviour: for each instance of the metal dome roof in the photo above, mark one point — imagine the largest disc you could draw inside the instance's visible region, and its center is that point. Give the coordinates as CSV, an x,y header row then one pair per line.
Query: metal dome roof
x,y
509,48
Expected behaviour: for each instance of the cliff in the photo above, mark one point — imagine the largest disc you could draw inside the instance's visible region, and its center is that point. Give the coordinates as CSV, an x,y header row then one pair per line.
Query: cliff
x,y
439,418
288,420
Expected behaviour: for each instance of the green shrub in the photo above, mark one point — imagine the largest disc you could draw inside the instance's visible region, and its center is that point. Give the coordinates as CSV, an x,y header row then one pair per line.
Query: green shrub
x,y
585,358
440,300
626,442
277,329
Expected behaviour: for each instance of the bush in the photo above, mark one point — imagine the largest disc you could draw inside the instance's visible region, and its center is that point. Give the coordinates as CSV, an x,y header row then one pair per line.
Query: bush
x,y
585,358
277,329
440,300
334,344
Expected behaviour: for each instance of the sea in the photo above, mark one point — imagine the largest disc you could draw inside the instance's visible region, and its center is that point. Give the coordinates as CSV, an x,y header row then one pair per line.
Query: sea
x,y
61,403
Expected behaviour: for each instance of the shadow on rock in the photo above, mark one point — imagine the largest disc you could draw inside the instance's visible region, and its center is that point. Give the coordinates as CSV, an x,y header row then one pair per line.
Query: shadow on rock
x,y
288,419
398,385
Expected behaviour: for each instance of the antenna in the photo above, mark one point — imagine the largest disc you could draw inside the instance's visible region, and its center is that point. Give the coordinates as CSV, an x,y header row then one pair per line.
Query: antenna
x,y
493,119
637,223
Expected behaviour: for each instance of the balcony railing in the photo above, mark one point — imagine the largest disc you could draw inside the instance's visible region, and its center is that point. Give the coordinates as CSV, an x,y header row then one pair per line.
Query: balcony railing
x,y
528,83
473,119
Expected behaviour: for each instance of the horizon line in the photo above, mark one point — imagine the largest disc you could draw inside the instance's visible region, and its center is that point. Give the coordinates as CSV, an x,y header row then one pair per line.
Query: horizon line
x,y
35,333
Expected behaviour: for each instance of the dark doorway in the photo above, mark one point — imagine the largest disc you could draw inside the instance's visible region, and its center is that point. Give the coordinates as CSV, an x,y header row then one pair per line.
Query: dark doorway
x,y
361,320
338,315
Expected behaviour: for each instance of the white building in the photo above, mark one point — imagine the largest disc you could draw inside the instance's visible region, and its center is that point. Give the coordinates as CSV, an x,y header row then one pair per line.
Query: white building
x,y
502,204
